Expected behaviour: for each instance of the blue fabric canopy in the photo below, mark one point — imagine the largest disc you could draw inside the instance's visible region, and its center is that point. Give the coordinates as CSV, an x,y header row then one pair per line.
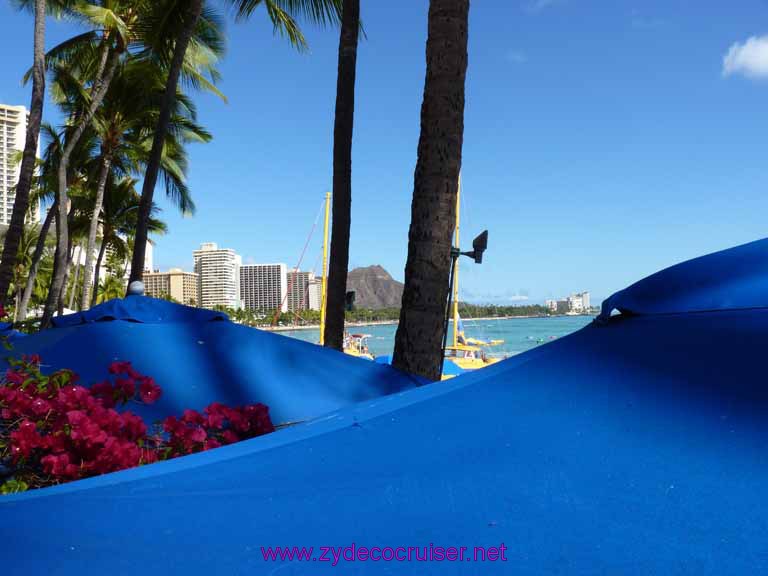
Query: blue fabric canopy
x,y
198,356
141,309
635,446
727,280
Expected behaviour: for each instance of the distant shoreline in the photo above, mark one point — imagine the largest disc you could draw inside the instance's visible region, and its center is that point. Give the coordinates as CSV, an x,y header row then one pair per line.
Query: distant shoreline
x,y
391,322
317,326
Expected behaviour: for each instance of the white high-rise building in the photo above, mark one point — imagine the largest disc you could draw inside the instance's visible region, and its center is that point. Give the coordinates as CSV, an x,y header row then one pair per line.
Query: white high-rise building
x,y
13,134
579,302
315,290
264,287
218,271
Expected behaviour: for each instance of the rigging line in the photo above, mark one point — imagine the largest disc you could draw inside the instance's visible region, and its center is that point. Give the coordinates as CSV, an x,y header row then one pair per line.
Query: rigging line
x,y
298,265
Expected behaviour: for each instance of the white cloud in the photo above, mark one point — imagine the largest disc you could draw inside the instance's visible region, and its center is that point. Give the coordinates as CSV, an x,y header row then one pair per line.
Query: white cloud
x,y
517,298
517,57
748,58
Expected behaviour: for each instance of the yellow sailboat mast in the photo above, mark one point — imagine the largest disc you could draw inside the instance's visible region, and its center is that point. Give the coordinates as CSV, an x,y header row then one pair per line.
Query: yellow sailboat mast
x,y
456,271
324,292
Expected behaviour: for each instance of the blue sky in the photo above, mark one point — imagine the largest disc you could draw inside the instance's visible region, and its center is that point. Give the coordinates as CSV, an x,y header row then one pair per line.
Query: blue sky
x,y
604,140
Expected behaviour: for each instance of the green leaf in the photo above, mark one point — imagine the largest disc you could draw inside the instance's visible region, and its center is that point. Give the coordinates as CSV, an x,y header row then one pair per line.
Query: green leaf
x,y
14,486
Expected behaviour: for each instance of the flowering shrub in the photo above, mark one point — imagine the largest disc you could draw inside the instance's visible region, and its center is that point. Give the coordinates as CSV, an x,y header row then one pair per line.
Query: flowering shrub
x,y
53,430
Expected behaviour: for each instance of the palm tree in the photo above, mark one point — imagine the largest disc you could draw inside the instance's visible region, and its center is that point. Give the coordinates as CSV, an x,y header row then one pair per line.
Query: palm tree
x,y
190,17
46,185
21,201
118,223
418,342
280,12
111,287
124,125
112,20
342,175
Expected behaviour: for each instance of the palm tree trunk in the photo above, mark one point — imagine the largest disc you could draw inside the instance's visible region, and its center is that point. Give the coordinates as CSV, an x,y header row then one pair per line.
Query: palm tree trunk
x,y
21,201
106,162
342,175
97,270
65,284
36,258
418,342
194,10
73,292
62,236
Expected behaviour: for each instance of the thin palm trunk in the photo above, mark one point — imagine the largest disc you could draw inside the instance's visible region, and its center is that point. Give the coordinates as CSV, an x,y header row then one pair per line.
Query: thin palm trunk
x,y
24,185
106,163
73,291
153,165
418,342
97,271
62,233
342,175
63,293
36,259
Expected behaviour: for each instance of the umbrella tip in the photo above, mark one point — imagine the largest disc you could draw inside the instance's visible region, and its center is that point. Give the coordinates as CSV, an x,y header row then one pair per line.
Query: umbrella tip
x,y
136,288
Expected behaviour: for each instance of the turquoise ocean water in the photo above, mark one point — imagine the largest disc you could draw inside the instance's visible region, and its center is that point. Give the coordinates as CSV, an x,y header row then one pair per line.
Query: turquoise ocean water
x,y
519,334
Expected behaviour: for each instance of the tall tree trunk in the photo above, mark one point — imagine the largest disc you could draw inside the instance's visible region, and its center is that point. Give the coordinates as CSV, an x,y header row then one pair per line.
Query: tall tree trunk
x,y
155,156
418,342
65,284
97,270
106,163
36,258
62,235
73,292
342,175
24,185
63,291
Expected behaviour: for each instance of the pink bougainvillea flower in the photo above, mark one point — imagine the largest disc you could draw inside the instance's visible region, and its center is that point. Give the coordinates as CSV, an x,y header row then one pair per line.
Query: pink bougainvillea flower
x,y
229,437
133,426
126,387
25,439
172,425
73,397
197,435
14,377
31,359
59,465
40,407
192,417
62,431
105,392
149,391
120,367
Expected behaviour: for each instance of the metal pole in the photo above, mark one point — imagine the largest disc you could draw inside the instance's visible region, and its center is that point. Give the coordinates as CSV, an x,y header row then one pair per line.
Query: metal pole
x,y
324,291
454,259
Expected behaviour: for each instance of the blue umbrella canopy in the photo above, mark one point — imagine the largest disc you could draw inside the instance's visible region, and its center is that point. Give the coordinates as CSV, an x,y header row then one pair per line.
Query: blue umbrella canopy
x,y
198,357
638,445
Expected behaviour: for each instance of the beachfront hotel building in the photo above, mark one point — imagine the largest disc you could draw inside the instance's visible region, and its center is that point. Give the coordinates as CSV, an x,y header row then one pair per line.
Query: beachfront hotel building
x,y
578,303
315,295
13,134
298,290
218,276
264,287
180,285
